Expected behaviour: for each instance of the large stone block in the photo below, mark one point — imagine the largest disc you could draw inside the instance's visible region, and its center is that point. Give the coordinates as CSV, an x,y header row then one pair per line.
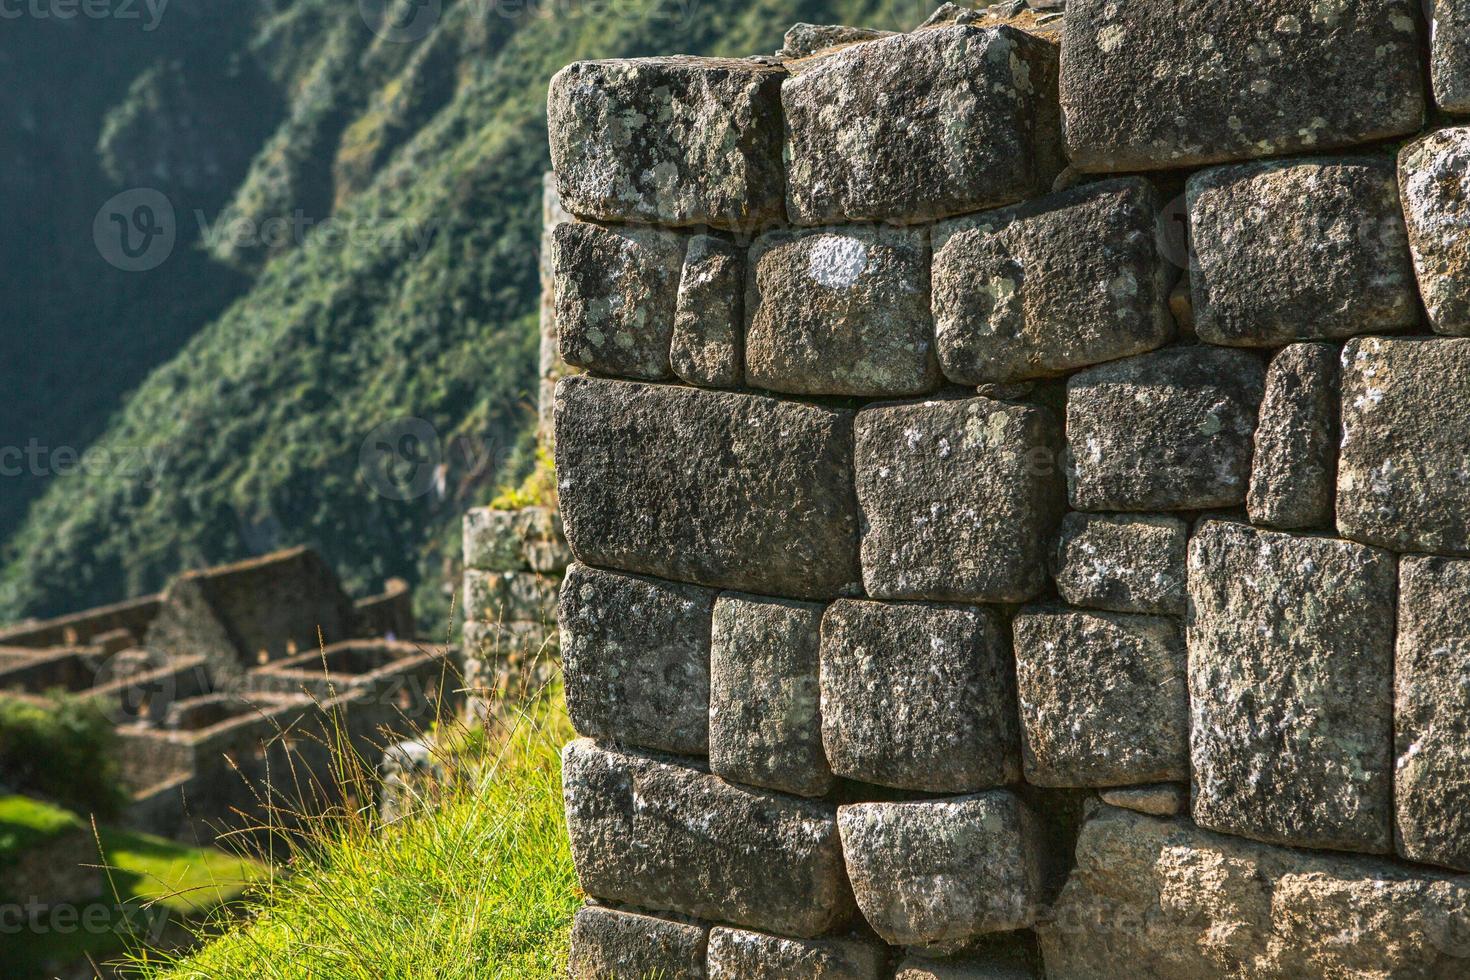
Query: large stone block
x,y
1170,430
503,540
635,652
1132,563
918,697
1299,250
765,717
729,490
1449,55
1404,470
617,290
670,838
1436,203
841,311
1104,698
1153,84
609,945
507,597
1291,687
738,955
959,498
936,874
921,126
1163,899
1294,470
675,141
1049,286
1431,706
708,346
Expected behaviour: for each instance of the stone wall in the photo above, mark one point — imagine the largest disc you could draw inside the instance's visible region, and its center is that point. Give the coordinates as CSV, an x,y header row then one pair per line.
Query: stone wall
x,y
1020,495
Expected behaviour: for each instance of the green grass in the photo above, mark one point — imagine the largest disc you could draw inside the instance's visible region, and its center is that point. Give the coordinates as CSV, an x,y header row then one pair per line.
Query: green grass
x,y
26,823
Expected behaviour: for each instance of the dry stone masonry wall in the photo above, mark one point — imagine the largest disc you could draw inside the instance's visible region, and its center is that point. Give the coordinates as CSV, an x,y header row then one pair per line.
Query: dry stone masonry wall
x,y
977,575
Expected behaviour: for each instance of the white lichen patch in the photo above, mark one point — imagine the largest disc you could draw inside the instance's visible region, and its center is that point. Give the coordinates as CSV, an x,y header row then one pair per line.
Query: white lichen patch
x,y
837,262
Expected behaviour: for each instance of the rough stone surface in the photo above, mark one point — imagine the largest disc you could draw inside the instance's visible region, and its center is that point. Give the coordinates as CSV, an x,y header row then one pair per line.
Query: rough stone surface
x,y
1299,250
1449,56
1170,430
636,654
1162,899
1151,84
678,141
840,311
1404,471
608,944
729,490
501,597
1436,204
666,837
918,968
1291,687
765,715
616,295
501,540
1104,698
1132,563
922,126
959,498
1431,710
1294,470
708,346
1163,800
935,874
738,955
805,40
1052,285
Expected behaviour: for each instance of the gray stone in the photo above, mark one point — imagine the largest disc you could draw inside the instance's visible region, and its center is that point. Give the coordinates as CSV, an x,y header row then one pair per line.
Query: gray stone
x,y
503,597
1299,250
1294,469
765,716
739,955
1052,285
918,697
1431,705
1104,698
551,556
1162,800
1449,55
805,40
936,874
922,126
1162,899
676,141
1170,430
729,490
708,346
1131,563
989,968
670,838
1436,204
610,945
1146,85
499,540
508,659
1291,687
635,653
841,311
1404,470
959,498
616,295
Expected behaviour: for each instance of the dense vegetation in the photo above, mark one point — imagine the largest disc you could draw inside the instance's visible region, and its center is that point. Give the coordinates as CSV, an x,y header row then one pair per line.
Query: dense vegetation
x,y
62,750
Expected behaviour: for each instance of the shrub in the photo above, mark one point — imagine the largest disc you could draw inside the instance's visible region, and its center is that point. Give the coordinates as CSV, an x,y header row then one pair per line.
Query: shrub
x,y
62,751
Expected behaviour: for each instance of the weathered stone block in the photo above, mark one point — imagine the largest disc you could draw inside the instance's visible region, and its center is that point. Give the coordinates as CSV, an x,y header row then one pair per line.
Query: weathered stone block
x,y
738,955
1049,286
504,597
1299,250
1149,85
617,292
667,837
1431,705
1162,800
1294,470
1449,55
935,874
1291,687
949,670
511,659
1170,430
729,490
1160,898
1123,563
1104,698
841,311
675,141
980,968
804,40
921,126
765,715
1436,204
502,540
608,944
1404,469
959,499
636,654
709,325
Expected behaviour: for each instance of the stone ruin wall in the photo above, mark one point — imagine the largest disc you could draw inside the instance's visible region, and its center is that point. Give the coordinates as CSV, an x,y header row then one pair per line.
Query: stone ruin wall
x,y
974,576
